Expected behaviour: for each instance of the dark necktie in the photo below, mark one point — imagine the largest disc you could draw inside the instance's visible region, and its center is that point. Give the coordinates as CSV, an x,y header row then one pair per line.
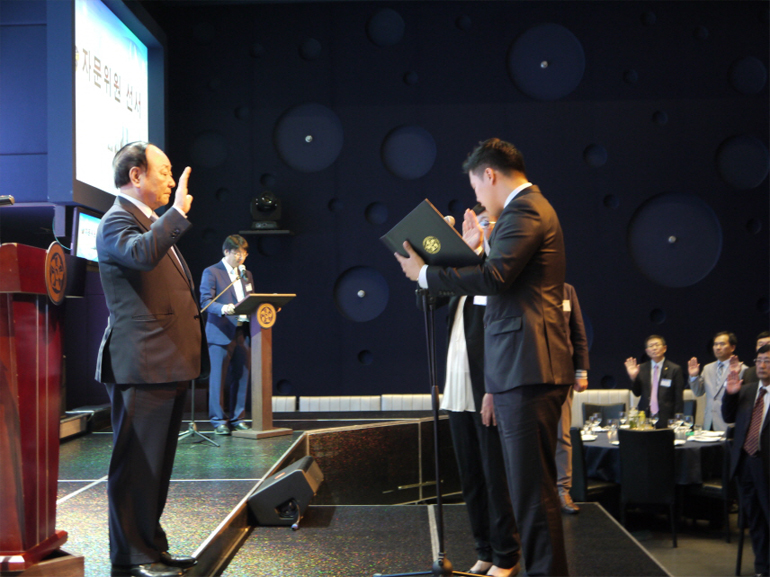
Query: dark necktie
x,y
751,444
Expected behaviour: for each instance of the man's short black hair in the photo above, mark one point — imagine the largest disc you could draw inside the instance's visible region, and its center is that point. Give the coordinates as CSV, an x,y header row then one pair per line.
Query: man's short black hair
x,y
763,349
763,335
235,242
131,155
660,338
497,154
733,340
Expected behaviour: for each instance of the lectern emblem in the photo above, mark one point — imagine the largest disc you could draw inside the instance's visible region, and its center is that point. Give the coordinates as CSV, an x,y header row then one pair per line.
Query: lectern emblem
x,y
431,244
55,273
266,315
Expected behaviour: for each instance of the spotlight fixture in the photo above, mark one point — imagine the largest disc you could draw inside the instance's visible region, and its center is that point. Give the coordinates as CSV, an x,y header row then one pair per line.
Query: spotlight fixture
x,y
265,211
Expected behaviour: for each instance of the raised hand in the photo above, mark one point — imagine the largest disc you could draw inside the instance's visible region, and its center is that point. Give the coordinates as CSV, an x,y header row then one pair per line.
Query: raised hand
x,y
734,381
632,368
473,234
182,200
693,368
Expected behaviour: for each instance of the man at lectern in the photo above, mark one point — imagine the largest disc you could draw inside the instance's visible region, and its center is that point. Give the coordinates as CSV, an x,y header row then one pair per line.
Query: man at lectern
x,y
227,334
527,363
150,352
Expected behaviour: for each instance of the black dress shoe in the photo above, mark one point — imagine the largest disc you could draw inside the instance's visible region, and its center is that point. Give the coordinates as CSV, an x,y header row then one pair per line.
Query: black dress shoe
x,y
146,570
181,561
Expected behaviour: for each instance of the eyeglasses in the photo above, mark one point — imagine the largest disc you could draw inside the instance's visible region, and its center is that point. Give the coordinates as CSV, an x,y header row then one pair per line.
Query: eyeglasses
x,y
762,362
485,222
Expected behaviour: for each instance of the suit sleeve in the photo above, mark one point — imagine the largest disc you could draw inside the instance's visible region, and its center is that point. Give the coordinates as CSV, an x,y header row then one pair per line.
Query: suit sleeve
x,y
577,334
636,386
698,386
209,291
730,406
678,384
518,235
126,243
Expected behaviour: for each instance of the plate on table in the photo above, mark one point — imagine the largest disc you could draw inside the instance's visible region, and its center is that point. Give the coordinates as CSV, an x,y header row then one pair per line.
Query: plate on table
x,y
588,438
679,441
701,439
712,434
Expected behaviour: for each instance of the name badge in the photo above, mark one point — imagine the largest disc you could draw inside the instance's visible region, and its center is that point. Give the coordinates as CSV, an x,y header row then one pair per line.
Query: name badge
x,y
665,383
248,287
480,300
566,305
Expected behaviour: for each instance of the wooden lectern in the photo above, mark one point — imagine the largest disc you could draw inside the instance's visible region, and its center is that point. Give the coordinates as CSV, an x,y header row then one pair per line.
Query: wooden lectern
x,y
30,380
262,310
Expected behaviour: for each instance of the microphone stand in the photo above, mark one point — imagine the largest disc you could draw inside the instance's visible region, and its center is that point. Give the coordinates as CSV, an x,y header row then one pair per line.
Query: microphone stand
x,y
442,566
192,430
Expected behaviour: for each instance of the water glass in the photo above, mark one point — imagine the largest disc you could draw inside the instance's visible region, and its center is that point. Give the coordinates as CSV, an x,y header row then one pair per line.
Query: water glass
x,y
597,418
689,421
679,418
654,420
612,435
623,418
672,423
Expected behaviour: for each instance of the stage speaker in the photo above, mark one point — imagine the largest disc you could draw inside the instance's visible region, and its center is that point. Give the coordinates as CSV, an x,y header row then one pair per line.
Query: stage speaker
x,y
282,498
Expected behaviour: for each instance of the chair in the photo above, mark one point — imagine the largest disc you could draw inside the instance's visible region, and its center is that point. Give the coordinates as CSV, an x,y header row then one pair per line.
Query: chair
x,y
691,408
585,489
647,471
608,411
719,486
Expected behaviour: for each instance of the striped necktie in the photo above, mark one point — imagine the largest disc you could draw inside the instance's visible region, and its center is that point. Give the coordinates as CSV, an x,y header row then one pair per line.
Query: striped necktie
x,y
654,395
751,444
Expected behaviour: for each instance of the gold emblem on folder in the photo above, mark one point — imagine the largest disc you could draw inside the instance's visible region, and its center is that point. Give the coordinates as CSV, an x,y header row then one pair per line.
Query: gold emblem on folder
x,y
266,315
431,244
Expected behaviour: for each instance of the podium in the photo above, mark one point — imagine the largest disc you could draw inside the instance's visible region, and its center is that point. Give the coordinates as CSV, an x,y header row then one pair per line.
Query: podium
x,y
30,379
263,311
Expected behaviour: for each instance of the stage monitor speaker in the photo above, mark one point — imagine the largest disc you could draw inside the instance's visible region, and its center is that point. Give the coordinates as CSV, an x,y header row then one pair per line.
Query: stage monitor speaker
x,y
282,498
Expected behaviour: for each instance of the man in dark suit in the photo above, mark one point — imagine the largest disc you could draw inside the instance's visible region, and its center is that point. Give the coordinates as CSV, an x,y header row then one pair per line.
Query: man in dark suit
x,y
527,364
659,383
578,344
477,447
745,404
150,351
227,334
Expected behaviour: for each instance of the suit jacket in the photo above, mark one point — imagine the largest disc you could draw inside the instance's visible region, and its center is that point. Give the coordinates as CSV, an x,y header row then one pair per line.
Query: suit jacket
x,y
524,338
706,383
220,329
154,331
670,399
737,408
473,323
576,331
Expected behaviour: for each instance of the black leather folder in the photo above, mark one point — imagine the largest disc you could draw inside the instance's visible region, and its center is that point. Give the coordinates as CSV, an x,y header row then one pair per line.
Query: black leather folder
x,y
433,238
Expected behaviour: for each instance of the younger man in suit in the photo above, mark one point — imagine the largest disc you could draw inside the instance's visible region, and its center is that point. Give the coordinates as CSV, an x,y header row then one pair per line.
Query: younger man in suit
x,y
746,404
712,381
659,382
228,335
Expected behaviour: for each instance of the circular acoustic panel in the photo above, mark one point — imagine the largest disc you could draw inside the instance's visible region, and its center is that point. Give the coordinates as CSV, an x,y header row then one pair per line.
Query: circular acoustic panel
x,y
308,137
742,162
409,152
675,239
361,293
546,62
595,155
747,75
310,49
284,387
376,213
209,150
385,27
660,117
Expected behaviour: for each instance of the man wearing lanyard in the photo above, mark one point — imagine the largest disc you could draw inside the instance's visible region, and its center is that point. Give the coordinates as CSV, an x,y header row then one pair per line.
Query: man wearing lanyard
x,y
659,383
746,404
527,364
711,382
227,335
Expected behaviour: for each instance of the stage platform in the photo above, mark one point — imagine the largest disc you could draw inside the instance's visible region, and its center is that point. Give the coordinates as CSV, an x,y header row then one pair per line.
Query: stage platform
x,y
371,514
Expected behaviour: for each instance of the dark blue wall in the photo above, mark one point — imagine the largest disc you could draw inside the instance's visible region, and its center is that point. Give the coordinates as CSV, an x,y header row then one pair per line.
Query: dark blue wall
x,y
647,130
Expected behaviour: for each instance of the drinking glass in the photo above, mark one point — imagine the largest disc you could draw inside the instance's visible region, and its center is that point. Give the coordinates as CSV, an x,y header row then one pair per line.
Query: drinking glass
x,y
654,420
672,424
679,418
597,417
623,418
689,421
612,435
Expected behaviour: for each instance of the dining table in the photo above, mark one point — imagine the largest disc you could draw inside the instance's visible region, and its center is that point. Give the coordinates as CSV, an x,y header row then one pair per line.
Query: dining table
x,y
697,458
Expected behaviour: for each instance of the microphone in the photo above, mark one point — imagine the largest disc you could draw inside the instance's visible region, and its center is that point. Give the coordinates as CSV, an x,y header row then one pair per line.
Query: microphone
x,y
450,220
242,272
7,199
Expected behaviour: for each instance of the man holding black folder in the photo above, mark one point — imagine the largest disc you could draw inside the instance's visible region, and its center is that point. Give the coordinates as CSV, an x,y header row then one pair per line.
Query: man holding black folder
x,y
527,364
